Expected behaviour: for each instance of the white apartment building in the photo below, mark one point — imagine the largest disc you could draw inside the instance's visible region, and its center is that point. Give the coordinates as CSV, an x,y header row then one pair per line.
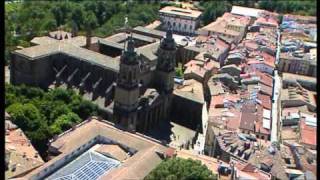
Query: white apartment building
x,y
184,21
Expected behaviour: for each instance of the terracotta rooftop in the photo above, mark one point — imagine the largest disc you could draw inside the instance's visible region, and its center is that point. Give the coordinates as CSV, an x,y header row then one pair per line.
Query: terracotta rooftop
x,y
220,25
267,21
266,89
265,100
247,121
22,155
308,134
249,171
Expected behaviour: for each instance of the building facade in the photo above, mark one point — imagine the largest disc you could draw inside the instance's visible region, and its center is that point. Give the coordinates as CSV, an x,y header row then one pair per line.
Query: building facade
x,y
181,20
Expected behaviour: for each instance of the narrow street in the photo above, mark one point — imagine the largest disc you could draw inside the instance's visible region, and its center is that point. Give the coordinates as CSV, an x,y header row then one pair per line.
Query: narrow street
x,y
276,97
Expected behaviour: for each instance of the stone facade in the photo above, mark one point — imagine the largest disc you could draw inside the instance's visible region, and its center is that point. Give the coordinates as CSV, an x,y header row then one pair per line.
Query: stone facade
x,y
131,102
143,113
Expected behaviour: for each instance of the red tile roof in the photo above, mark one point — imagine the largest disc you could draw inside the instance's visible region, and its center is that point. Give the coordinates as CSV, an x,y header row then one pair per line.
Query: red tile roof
x,y
195,69
269,59
247,121
261,129
233,123
308,133
221,44
193,62
251,45
265,20
265,89
265,100
265,79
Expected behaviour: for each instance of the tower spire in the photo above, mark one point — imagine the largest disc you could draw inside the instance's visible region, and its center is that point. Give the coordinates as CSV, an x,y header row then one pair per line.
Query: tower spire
x,y
130,44
169,32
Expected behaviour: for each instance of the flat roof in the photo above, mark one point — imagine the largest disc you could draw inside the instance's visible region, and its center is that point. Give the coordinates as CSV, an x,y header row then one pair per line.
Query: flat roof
x,y
146,30
149,50
120,37
245,11
111,44
180,11
192,90
77,41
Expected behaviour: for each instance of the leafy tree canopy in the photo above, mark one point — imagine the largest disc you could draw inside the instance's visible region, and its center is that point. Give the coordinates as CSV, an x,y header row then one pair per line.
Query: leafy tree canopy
x,y
178,168
42,115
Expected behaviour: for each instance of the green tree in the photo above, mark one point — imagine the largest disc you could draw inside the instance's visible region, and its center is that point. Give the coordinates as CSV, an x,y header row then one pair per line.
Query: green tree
x,y
64,122
59,109
59,94
90,23
77,16
178,168
213,10
179,72
84,108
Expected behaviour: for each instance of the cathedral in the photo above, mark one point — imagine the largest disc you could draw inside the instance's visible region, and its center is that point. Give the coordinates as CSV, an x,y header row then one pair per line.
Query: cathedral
x,y
140,109
129,76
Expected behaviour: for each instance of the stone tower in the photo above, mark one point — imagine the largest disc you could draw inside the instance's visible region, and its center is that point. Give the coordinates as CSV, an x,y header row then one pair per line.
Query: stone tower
x,y
127,88
165,71
166,64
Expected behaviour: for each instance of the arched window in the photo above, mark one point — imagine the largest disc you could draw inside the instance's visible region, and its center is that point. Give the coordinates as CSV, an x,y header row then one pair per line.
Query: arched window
x,y
174,24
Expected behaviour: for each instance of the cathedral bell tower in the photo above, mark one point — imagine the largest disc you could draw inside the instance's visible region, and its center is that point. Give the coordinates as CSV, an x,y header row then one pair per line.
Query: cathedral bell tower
x,y
166,64
164,81
127,88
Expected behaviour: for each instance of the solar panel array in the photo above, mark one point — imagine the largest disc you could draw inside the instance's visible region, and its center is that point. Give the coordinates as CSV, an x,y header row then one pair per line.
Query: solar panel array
x,y
89,166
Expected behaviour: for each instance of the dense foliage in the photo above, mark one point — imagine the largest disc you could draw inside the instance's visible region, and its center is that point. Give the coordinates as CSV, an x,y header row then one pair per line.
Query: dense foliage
x,y
178,168
41,114
27,19
304,7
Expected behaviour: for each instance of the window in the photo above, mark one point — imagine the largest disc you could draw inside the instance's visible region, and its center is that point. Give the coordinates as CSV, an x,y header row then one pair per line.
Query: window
x,y
185,27
190,27
174,24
